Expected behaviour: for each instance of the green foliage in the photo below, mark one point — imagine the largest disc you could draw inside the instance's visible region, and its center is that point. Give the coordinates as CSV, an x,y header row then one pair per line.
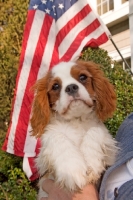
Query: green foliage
x,y
13,182
17,186
121,80
12,19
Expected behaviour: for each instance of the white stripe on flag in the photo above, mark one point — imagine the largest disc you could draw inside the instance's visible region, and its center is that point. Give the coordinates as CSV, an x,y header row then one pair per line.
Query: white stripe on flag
x,y
103,26
48,52
26,167
29,54
30,144
74,32
95,34
69,14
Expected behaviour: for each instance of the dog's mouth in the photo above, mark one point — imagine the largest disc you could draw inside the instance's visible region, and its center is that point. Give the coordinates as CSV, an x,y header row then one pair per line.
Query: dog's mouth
x,y
78,105
76,102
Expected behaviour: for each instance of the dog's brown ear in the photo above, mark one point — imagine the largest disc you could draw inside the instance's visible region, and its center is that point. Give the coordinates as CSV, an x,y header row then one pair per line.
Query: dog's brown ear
x,y
105,98
104,91
40,110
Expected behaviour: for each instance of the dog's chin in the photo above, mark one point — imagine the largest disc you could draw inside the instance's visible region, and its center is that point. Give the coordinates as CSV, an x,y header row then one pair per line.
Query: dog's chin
x,y
77,109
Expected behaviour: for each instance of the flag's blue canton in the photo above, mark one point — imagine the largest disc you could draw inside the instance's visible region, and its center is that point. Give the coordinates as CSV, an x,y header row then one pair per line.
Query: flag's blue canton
x,y
55,8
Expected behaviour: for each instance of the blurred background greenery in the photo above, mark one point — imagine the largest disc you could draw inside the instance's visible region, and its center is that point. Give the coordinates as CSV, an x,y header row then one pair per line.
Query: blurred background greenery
x,y
13,183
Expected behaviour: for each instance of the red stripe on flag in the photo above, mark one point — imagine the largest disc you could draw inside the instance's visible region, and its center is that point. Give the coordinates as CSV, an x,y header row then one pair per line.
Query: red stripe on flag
x,y
28,25
32,165
24,116
76,43
55,56
98,41
72,23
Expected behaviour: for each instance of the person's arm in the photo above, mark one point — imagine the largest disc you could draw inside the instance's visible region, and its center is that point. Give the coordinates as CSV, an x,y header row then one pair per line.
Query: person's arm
x,y
55,193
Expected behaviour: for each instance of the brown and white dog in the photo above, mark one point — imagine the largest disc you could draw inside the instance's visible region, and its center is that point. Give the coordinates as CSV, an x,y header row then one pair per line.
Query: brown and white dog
x,y
70,105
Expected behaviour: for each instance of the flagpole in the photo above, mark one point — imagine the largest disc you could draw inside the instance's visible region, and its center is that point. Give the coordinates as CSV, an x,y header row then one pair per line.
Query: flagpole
x,y
121,55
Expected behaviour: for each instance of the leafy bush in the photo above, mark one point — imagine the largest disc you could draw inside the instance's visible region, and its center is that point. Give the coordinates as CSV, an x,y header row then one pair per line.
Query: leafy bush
x,y
13,182
12,20
17,186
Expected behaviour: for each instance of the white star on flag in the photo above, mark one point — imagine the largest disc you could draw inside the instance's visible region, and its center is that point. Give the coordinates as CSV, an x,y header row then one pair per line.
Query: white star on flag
x,y
60,6
53,7
35,6
44,1
47,11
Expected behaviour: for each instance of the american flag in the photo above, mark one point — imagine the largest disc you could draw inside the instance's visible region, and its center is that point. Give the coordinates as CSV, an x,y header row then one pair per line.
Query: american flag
x,y
56,30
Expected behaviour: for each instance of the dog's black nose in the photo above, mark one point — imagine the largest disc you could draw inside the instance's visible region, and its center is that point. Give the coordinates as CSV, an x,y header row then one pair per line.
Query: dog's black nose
x,y
71,89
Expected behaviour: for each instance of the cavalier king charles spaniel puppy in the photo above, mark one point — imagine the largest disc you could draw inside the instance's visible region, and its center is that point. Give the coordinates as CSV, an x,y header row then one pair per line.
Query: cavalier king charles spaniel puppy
x,y
71,102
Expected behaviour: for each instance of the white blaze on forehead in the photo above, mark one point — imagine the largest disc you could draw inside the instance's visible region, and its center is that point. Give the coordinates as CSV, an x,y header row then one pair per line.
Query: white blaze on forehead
x,y
62,70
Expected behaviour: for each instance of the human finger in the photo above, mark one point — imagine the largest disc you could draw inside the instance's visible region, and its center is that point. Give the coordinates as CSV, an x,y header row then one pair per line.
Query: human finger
x,y
47,185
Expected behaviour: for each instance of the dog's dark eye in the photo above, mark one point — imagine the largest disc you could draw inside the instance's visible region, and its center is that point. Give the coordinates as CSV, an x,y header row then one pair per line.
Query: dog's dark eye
x,y
56,86
82,78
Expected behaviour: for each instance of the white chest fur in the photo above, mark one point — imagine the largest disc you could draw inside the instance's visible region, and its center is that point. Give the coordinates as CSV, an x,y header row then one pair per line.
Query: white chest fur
x,y
76,152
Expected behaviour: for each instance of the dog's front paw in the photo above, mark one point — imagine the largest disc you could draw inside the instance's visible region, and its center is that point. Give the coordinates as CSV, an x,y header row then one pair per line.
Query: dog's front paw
x,y
72,176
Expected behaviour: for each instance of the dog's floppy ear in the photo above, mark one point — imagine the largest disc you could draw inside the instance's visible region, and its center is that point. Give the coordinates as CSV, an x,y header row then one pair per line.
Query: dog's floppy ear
x,y
40,109
105,96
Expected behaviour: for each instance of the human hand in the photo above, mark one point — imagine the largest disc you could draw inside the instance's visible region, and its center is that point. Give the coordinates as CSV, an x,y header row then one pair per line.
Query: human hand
x,y
55,193
89,192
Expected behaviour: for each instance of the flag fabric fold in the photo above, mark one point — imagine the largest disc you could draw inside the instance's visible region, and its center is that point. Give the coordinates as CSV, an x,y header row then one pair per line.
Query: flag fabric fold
x,y
56,30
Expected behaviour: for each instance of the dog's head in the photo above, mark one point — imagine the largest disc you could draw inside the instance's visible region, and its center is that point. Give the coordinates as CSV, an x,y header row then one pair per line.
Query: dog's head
x,y
72,89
